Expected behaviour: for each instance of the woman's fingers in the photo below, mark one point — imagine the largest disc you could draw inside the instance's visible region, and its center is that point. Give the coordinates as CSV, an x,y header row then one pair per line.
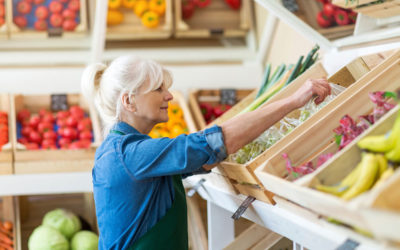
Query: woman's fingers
x,y
321,88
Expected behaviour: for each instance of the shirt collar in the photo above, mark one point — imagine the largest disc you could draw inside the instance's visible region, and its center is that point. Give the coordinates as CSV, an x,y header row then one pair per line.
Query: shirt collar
x,y
125,128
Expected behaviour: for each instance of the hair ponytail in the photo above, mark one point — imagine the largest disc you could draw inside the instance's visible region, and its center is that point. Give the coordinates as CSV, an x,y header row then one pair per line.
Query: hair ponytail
x,y
90,81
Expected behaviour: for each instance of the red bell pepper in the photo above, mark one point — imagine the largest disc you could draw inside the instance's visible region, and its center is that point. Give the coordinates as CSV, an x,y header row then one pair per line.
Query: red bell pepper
x,y
202,3
342,17
234,4
187,9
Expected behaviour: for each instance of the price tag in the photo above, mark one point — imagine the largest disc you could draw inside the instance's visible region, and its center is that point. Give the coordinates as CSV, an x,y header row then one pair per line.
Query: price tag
x,y
243,207
216,32
59,102
196,187
349,244
228,96
55,32
291,5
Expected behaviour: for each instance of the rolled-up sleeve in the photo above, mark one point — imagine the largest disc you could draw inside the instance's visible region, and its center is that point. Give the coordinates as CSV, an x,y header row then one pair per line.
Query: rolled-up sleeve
x,y
185,154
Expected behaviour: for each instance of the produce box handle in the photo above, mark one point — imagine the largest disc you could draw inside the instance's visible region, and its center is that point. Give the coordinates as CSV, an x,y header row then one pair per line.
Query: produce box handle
x,y
243,207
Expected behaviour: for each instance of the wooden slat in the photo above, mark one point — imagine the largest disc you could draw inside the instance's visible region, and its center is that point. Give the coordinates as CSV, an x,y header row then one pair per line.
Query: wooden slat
x,y
249,237
6,154
187,115
196,228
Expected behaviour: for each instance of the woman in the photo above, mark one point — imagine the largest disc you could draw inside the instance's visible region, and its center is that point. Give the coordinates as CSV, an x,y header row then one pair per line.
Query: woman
x,y
138,192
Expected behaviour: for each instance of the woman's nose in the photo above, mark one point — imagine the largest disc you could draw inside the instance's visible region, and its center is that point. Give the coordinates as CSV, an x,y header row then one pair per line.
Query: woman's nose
x,y
168,97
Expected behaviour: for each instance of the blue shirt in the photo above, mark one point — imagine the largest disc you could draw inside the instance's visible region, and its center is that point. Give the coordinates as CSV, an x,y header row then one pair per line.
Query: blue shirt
x,y
132,182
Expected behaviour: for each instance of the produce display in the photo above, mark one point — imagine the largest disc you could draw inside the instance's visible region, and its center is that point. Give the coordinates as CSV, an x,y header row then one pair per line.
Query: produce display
x,y
332,15
175,126
380,157
149,12
346,133
61,229
66,129
43,15
3,129
271,85
211,112
2,13
190,6
6,235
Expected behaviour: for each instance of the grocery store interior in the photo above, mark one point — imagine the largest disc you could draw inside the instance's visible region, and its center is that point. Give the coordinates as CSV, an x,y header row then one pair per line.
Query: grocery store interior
x,y
325,176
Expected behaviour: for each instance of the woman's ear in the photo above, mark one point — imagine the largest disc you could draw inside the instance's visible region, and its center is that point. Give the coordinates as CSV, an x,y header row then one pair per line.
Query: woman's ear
x,y
128,103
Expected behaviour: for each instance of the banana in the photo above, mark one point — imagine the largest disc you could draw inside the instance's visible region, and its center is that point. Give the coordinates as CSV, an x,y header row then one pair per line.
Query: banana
x,y
382,163
382,143
394,154
351,178
388,172
368,171
335,190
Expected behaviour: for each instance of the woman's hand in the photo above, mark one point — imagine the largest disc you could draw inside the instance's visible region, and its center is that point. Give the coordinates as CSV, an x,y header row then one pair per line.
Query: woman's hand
x,y
312,87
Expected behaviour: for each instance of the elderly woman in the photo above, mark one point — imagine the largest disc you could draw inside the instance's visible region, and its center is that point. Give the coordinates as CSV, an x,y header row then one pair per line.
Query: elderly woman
x,y
137,184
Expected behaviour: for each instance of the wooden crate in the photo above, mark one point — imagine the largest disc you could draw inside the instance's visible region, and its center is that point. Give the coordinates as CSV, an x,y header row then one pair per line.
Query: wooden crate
x,y
53,161
33,208
6,153
386,9
348,4
215,20
8,212
16,32
211,96
309,11
244,173
132,28
187,115
318,137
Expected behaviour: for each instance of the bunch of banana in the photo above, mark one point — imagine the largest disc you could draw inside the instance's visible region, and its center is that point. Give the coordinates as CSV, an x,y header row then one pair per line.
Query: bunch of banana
x,y
388,144
372,169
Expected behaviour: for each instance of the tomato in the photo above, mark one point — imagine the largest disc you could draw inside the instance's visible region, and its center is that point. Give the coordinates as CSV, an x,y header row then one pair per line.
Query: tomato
x,y
69,14
85,135
329,9
64,1
48,118
40,25
74,5
50,135
60,131
85,143
56,20
234,4
49,146
341,17
44,127
2,11
187,9
55,7
72,122
61,123
70,133
85,124
62,114
35,137
63,141
75,145
32,146
26,131
24,7
48,142
21,21
34,121
23,114
323,20
37,2
77,112
3,120
202,3
23,140
69,25
42,12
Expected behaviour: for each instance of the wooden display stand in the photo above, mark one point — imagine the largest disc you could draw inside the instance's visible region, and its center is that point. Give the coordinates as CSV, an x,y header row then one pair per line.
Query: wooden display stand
x,y
8,212
30,33
309,11
53,161
6,153
133,29
187,115
212,96
215,20
388,8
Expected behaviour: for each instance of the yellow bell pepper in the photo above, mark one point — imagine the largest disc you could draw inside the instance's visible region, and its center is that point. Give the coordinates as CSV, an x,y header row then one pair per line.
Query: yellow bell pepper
x,y
141,7
114,17
150,19
114,4
129,4
158,6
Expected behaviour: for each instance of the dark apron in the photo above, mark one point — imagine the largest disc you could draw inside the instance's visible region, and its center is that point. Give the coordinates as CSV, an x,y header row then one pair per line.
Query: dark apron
x,y
170,232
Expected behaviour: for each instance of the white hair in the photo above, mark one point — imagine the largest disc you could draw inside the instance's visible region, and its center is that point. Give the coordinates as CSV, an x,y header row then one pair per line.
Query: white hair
x,y
104,86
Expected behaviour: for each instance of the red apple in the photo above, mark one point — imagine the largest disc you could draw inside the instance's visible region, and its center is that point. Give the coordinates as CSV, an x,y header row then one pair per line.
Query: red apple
x,y
69,14
35,137
70,133
24,7
23,114
50,135
42,12
85,124
85,135
56,20
48,118
69,25
55,7
44,127
26,131
34,121
64,142
72,122
62,114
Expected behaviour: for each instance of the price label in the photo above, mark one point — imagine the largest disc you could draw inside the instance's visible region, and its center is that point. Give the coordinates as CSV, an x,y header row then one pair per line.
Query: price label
x,y
291,5
55,32
228,96
59,102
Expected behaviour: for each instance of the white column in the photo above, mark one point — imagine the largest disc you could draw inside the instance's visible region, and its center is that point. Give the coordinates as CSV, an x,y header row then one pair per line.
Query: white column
x,y
221,227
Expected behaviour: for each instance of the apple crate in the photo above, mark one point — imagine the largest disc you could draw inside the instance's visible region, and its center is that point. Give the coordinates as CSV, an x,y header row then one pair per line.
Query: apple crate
x,y
8,208
215,20
132,28
6,153
212,96
367,211
385,9
308,12
244,173
53,160
317,137
22,18
32,209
